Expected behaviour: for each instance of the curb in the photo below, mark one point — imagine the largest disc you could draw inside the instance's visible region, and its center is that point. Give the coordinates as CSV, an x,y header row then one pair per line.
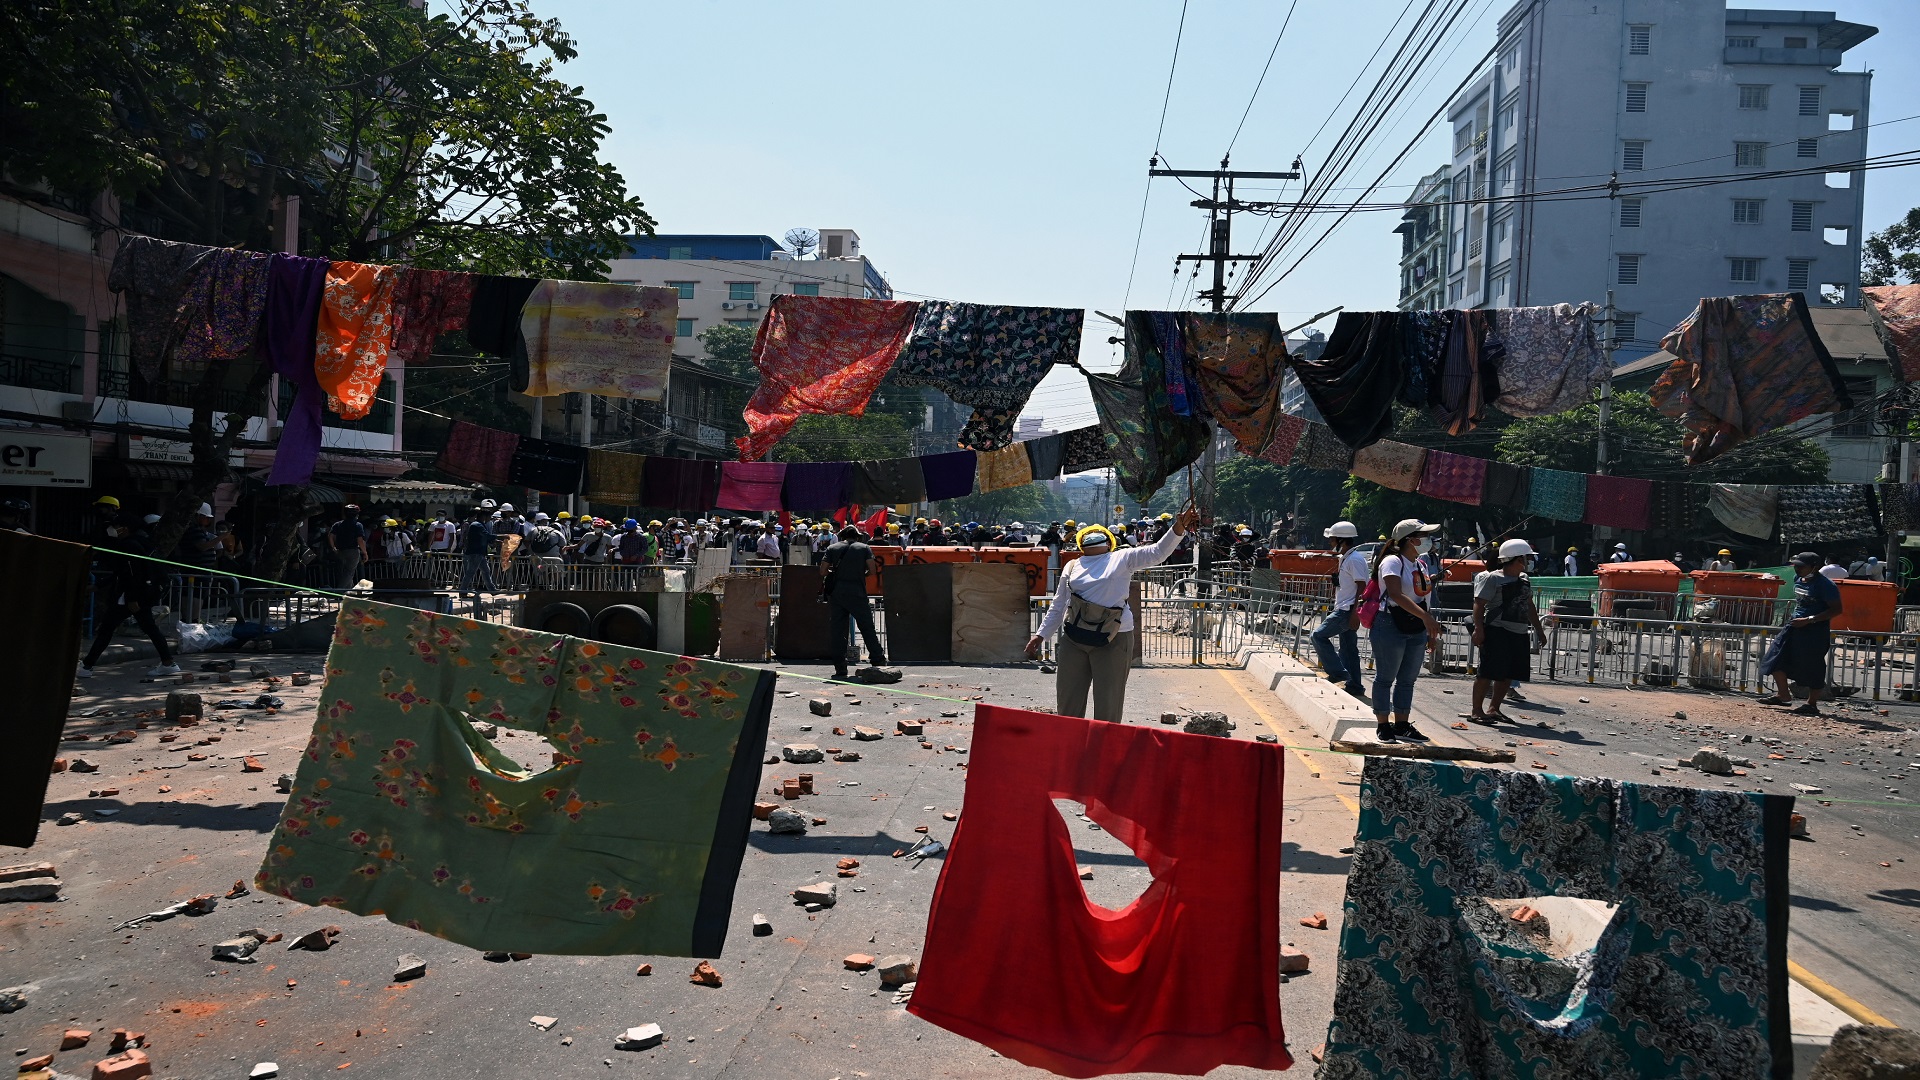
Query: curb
x,y
1335,714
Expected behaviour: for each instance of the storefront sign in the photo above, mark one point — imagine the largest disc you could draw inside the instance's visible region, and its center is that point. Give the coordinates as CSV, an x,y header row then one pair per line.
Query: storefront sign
x,y
144,448
41,459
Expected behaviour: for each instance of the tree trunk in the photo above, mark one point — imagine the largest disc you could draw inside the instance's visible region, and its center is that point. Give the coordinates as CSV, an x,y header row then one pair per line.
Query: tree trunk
x,y
275,558
210,450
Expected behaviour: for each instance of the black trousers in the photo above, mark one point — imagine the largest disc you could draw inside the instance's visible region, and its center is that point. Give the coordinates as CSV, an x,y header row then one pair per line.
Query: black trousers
x,y
108,617
861,613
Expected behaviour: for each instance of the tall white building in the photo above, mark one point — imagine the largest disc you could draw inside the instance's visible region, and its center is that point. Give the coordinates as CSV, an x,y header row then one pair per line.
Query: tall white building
x,y
1423,244
1653,91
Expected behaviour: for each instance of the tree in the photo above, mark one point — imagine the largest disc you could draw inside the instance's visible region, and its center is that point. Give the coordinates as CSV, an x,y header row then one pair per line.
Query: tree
x,y
1028,503
443,141
845,438
1892,255
731,349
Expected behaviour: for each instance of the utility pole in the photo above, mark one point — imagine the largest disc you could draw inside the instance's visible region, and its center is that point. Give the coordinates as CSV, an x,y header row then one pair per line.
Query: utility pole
x,y
1219,253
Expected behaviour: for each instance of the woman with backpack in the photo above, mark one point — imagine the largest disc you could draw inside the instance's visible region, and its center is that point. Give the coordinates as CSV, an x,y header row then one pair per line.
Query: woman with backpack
x,y
1095,620
1401,627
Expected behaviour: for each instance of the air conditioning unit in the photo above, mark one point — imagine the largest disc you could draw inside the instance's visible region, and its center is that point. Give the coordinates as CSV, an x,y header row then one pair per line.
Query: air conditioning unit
x,y
726,305
81,411
753,307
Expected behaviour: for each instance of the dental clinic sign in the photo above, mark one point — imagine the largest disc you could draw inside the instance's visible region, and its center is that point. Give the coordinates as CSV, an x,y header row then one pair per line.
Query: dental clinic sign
x,y
39,459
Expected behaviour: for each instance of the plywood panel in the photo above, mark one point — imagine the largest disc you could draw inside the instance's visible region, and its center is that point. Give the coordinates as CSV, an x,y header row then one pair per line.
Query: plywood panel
x,y
800,627
919,612
744,618
710,563
989,613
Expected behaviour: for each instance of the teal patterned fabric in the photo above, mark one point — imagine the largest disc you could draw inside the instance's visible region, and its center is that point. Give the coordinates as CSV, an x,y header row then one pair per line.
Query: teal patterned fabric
x,y
1146,440
987,356
1559,495
1687,979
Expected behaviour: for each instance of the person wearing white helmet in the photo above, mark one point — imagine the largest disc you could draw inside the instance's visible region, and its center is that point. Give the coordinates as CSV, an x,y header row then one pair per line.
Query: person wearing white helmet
x,y
1506,630
1342,665
1620,554
1404,628
545,543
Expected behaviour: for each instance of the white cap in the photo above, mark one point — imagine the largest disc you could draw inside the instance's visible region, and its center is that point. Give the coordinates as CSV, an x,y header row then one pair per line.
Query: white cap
x,y
1342,530
504,507
205,510
1514,549
1406,527
487,504
540,517
1619,547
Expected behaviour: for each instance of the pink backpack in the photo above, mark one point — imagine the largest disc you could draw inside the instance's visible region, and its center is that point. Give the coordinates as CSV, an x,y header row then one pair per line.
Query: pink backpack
x,y
1368,609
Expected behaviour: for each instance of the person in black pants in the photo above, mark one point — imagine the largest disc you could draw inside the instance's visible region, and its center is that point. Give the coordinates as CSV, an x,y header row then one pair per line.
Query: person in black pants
x,y
125,587
847,564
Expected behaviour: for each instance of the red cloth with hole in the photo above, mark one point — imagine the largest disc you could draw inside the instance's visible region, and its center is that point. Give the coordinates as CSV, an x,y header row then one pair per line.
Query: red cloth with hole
x,y
1182,980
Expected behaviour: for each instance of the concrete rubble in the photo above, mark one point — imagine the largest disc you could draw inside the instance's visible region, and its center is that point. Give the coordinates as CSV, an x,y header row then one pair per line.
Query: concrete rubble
x,y
316,940
802,753
782,820
762,926
240,950
27,882
824,893
644,1037
704,975
408,967
897,970
265,1070
1859,1052
1209,723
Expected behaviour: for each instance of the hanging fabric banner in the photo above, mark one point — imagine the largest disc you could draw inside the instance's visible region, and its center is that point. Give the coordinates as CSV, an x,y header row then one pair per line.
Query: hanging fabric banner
x,y
1237,359
820,354
295,288
353,335
988,356
596,337
630,843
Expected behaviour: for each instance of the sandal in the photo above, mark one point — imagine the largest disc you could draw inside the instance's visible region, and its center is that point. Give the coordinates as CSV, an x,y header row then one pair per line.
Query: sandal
x,y
1807,709
1769,699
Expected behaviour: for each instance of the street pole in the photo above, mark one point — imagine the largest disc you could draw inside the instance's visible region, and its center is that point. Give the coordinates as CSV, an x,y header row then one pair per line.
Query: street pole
x,y
1219,253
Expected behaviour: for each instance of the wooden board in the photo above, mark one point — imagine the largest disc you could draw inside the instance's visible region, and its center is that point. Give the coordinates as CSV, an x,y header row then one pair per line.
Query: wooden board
x,y
744,612
990,622
800,626
919,613
709,563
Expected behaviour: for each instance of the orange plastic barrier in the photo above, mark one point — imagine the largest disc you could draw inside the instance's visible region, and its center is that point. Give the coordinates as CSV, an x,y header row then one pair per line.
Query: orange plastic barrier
x,y
1649,586
1744,597
1313,563
1032,560
1867,606
1462,569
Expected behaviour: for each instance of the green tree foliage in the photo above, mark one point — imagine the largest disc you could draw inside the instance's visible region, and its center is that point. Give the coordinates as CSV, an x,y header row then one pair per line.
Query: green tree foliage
x,y
730,348
1646,444
1260,493
1892,255
1032,504
846,438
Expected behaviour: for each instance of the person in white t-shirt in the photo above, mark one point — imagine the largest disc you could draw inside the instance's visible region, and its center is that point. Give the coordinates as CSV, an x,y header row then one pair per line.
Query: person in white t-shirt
x,y
441,533
1403,630
1833,571
1349,580
1723,561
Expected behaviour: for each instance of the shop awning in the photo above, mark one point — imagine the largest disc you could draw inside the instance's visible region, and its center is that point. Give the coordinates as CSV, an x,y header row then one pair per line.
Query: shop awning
x,y
158,470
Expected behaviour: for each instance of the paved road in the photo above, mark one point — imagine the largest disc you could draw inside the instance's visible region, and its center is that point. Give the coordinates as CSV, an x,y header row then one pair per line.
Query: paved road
x,y
787,1008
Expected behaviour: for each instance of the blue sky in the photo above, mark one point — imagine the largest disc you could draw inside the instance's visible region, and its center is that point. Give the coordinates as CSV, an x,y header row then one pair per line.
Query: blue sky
x,y
996,151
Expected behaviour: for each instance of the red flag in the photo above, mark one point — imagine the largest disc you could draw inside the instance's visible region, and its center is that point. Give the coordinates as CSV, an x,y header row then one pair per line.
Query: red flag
x,y
872,525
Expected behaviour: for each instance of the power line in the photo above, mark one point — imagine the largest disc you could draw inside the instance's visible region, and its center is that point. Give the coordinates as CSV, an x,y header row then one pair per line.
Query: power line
x,y
1140,231
1263,77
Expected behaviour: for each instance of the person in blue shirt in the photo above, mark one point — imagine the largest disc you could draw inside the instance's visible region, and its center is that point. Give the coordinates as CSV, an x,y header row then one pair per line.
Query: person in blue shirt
x,y
1798,654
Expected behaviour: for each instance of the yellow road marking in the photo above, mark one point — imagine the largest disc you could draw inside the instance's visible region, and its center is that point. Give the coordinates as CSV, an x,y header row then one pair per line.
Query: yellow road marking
x,y
1273,725
1832,994
1835,996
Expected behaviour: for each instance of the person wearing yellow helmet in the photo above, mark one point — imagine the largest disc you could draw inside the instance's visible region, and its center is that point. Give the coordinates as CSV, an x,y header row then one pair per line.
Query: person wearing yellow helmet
x,y
107,504
1094,622
1571,564
1724,561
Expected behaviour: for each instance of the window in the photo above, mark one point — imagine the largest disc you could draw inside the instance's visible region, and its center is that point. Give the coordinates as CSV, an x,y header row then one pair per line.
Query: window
x,y
1639,40
1742,42
1499,289
1809,148
1809,101
1460,190
1857,422
1636,97
806,288
746,323
1507,113
1510,58
1833,292
680,253
1743,271
1799,274
1796,43
1753,97
1462,137
1750,155
684,288
1802,217
741,290
1633,155
1837,237
1747,211
1626,324
1629,270
683,328
1630,210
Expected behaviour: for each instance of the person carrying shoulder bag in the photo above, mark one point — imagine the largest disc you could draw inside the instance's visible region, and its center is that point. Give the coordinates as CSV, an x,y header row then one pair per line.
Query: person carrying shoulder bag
x,y
1403,630
1094,622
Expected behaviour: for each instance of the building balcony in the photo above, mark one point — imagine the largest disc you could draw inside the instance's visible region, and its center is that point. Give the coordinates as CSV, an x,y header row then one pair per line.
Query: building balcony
x,y
1825,58
60,376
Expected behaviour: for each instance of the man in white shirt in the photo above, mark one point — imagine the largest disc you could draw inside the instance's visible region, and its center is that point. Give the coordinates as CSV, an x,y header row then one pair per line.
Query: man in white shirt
x,y
1833,571
1620,554
1723,561
1343,665
441,534
1868,569
1571,564
769,545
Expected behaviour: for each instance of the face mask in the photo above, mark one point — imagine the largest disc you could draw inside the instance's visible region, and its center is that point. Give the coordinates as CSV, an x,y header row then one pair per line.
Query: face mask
x,y
1422,546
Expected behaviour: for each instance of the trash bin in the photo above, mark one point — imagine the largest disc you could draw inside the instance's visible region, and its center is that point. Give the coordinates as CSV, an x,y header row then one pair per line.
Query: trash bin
x,y
1462,569
1744,598
1646,589
1311,563
1867,606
